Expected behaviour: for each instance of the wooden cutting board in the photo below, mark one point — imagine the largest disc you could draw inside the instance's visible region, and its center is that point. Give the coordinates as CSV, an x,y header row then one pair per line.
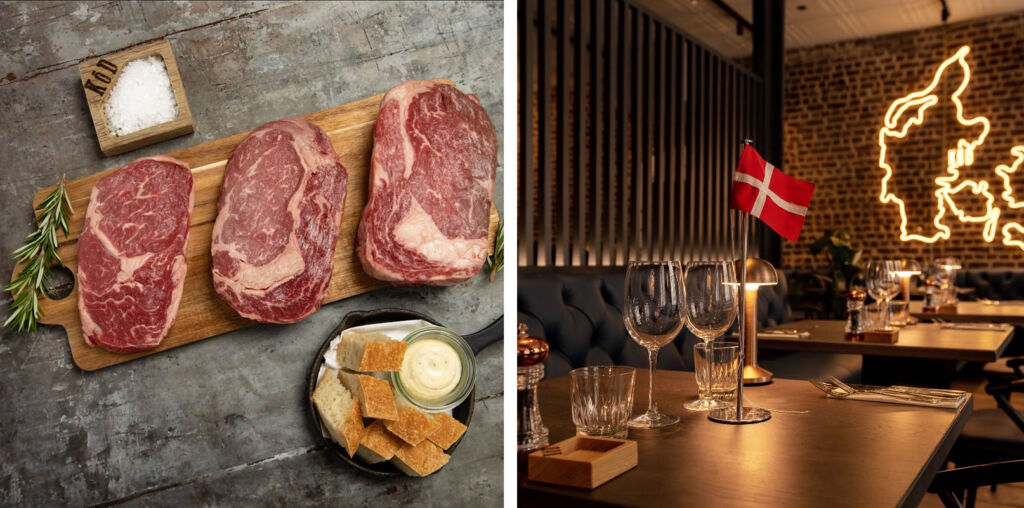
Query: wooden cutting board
x,y
202,314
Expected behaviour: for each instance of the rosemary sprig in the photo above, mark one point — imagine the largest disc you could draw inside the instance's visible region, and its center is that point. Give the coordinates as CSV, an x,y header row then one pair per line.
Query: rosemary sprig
x,y
496,261
38,254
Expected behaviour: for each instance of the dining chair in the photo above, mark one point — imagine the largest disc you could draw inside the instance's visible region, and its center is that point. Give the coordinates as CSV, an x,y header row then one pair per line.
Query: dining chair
x,y
957,488
992,435
1004,370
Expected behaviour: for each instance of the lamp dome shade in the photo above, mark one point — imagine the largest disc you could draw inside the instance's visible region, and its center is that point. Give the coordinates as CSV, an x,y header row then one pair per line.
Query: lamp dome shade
x,y
759,272
908,267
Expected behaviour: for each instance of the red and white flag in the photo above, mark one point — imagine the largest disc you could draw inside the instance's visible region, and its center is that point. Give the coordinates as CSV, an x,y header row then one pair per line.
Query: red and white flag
x,y
776,198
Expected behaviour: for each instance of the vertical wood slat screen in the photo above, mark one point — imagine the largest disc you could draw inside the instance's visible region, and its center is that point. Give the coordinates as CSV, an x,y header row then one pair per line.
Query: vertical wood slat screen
x,y
628,135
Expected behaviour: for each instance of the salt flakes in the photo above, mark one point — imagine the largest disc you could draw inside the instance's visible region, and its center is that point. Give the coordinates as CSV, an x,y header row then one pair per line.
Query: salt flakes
x,y
142,97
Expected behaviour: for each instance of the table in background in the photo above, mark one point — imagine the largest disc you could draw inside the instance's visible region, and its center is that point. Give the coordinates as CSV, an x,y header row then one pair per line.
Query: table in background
x,y
1006,311
923,350
841,453
224,420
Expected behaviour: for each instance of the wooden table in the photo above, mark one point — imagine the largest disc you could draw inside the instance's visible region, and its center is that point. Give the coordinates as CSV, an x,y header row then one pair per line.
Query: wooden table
x,y
1006,311
841,453
923,340
924,353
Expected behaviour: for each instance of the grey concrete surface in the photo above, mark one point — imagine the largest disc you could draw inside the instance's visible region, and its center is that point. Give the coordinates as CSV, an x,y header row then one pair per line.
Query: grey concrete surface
x,y
224,420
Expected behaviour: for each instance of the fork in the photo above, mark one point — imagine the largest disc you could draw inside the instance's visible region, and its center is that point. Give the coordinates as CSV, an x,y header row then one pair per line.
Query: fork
x,y
928,392
969,326
888,392
842,386
833,389
829,388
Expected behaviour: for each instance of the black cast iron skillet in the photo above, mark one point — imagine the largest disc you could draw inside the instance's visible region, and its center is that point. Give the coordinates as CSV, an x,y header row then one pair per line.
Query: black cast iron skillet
x,y
463,412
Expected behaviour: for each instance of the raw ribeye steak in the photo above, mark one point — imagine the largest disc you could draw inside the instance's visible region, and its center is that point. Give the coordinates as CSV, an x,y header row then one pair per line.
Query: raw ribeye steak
x,y
131,254
432,176
277,222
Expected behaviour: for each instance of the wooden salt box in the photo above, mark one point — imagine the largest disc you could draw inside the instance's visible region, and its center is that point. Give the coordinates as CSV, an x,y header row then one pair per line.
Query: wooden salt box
x,y
99,76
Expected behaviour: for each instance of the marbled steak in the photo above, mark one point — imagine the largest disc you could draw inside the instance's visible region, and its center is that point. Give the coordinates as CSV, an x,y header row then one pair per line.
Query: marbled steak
x,y
277,222
432,177
131,254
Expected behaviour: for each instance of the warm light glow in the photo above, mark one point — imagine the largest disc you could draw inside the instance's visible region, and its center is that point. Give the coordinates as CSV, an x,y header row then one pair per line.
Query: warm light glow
x,y
1004,172
1009,195
949,184
1008,229
907,275
752,286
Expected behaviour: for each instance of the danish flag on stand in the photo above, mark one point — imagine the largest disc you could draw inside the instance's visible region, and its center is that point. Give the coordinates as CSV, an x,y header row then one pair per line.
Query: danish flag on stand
x,y
761,190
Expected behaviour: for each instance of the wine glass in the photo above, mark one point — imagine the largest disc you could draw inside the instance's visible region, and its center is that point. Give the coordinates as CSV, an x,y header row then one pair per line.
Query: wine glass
x,y
710,310
883,283
653,312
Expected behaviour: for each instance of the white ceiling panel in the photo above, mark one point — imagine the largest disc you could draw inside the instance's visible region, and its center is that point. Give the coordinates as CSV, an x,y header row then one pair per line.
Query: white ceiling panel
x,y
820,21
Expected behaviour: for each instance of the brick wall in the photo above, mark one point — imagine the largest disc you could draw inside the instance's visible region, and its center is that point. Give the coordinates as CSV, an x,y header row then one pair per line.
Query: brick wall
x,y
836,99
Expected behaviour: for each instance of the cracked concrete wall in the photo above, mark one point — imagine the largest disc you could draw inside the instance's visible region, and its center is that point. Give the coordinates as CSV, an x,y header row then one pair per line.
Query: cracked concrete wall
x,y
223,420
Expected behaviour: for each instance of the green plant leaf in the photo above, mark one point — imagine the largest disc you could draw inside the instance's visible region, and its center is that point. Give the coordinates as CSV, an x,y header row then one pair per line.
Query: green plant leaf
x,y
819,245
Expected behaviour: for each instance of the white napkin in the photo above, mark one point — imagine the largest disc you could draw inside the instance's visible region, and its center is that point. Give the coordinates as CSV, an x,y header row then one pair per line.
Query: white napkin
x,y
997,327
783,334
396,330
906,395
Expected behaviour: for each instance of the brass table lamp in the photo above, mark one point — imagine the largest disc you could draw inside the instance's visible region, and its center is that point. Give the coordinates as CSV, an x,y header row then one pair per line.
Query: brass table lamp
x,y
908,268
759,273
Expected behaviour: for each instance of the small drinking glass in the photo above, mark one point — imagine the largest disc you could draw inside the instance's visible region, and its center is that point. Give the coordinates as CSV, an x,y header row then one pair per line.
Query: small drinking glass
x,y
723,359
602,400
898,311
875,316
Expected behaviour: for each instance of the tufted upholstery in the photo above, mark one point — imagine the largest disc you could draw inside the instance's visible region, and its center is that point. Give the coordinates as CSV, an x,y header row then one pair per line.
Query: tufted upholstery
x,y
993,283
579,312
996,284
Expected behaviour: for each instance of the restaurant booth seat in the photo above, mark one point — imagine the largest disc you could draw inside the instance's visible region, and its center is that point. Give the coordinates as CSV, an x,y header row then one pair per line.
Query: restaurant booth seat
x,y
987,283
996,284
579,312
992,283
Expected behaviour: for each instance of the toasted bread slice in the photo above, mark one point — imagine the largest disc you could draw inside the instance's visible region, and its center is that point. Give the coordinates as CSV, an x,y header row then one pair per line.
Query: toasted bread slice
x,y
378,444
412,425
420,460
339,410
448,433
370,352
375,396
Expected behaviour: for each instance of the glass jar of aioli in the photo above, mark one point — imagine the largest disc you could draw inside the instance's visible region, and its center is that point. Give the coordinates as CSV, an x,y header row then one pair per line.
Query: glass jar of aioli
x,y
438,371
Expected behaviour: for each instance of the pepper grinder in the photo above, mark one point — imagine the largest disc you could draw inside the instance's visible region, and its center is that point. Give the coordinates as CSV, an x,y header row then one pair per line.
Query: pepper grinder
x,y
931,295
530,355
855,317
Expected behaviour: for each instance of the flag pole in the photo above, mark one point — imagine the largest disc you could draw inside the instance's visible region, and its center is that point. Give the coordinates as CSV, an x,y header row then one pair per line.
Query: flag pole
x,y
743,311
745,228
753,415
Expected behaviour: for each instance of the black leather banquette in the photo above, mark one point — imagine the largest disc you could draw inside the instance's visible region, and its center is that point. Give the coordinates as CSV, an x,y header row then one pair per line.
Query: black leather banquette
x,y
993,283
579,312
996,284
